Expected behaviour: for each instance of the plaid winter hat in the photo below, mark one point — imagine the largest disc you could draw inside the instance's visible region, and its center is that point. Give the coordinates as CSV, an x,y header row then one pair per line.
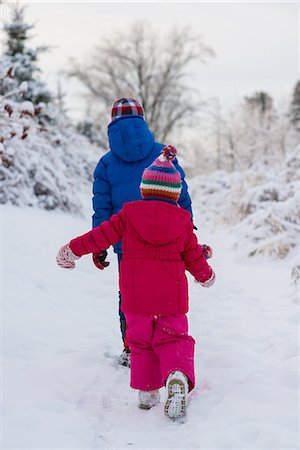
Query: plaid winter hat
x,y
125,106
161,179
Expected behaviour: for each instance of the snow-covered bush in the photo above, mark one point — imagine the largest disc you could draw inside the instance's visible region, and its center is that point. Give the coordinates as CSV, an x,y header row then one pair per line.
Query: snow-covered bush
x,y
89,129
273,229
295,276
271,223
42,166
263,206
211,195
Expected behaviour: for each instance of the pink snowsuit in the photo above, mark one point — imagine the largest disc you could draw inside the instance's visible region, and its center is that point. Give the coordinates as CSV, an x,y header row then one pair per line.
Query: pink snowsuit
x,y
158,246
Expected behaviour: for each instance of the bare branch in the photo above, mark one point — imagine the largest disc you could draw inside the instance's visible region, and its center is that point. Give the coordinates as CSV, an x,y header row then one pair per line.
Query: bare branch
x,y
149,66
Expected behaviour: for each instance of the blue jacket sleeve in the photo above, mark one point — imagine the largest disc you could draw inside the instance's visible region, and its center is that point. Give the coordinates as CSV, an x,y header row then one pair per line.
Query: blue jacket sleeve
x,y
184,199
102,203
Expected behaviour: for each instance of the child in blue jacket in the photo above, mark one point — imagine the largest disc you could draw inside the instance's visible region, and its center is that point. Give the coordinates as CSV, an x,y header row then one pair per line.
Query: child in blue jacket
x,y
118,175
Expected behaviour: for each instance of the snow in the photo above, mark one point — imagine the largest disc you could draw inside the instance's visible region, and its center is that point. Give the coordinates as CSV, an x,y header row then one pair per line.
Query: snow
x,y
27,107
23,88
62,388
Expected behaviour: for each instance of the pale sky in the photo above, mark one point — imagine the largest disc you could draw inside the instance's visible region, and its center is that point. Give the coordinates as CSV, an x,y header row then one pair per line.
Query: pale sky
x,y
256,43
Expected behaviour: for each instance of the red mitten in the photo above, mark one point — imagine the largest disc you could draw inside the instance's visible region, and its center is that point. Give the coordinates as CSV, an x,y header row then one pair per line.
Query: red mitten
x,y
65,257
99,260
207,251
208,283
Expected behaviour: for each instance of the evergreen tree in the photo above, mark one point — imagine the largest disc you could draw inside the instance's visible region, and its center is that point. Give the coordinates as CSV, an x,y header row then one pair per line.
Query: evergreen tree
x,y
260,101
90,130
20,62
295,107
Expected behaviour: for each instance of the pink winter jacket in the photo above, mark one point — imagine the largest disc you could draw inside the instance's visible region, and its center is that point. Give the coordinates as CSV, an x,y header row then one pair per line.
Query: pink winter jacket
x,y
158,246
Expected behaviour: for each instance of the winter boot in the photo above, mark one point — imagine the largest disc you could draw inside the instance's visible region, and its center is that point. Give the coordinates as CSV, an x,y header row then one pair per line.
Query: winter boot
x,y
177,391
147,399
124,358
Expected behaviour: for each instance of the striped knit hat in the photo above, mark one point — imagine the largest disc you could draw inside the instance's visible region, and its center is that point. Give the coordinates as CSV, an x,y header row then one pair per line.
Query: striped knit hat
x,y
161,179
125,106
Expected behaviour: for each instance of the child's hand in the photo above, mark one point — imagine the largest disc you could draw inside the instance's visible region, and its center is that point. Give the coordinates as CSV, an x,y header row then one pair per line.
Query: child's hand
x,y
65,257
208,283
207,251
99,260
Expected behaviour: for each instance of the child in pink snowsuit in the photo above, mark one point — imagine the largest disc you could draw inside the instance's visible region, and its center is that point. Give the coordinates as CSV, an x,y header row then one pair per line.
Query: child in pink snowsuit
x,y
159,244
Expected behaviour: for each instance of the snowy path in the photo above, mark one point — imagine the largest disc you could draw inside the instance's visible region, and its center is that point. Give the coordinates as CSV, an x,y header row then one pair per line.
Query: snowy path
x,y
62,389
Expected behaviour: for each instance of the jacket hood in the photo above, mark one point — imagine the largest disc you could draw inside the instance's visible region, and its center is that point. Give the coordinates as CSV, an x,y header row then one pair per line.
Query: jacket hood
x,y
157,222
130,138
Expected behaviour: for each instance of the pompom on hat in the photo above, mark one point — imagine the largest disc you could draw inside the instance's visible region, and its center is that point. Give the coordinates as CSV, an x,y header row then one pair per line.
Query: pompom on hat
x,y
161,179
126,106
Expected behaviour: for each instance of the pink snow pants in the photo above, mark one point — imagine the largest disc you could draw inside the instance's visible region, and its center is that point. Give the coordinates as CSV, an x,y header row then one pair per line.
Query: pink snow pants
x,y
159,345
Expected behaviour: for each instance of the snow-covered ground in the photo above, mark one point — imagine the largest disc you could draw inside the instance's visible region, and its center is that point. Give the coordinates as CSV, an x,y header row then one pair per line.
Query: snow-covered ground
x,y
62,389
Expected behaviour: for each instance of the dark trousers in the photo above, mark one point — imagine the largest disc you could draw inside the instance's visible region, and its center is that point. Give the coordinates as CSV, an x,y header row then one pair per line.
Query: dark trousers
x,y
121,314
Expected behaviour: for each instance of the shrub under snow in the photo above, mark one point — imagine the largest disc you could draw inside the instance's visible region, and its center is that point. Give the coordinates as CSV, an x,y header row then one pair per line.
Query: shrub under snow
x,y
262,205
44,164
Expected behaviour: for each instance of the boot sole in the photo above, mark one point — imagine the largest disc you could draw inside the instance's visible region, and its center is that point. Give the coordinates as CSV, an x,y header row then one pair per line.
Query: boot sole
x,y
149,405
142,406
175,406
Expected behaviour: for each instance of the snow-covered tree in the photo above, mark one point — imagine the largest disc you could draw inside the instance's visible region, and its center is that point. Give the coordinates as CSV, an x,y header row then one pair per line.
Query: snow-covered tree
x,y
253,132
261,102
295,107
44,162
19,62
89,129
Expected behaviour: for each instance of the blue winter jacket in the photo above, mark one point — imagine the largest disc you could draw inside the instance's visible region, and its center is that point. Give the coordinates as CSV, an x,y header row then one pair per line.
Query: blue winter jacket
x,y
118,174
